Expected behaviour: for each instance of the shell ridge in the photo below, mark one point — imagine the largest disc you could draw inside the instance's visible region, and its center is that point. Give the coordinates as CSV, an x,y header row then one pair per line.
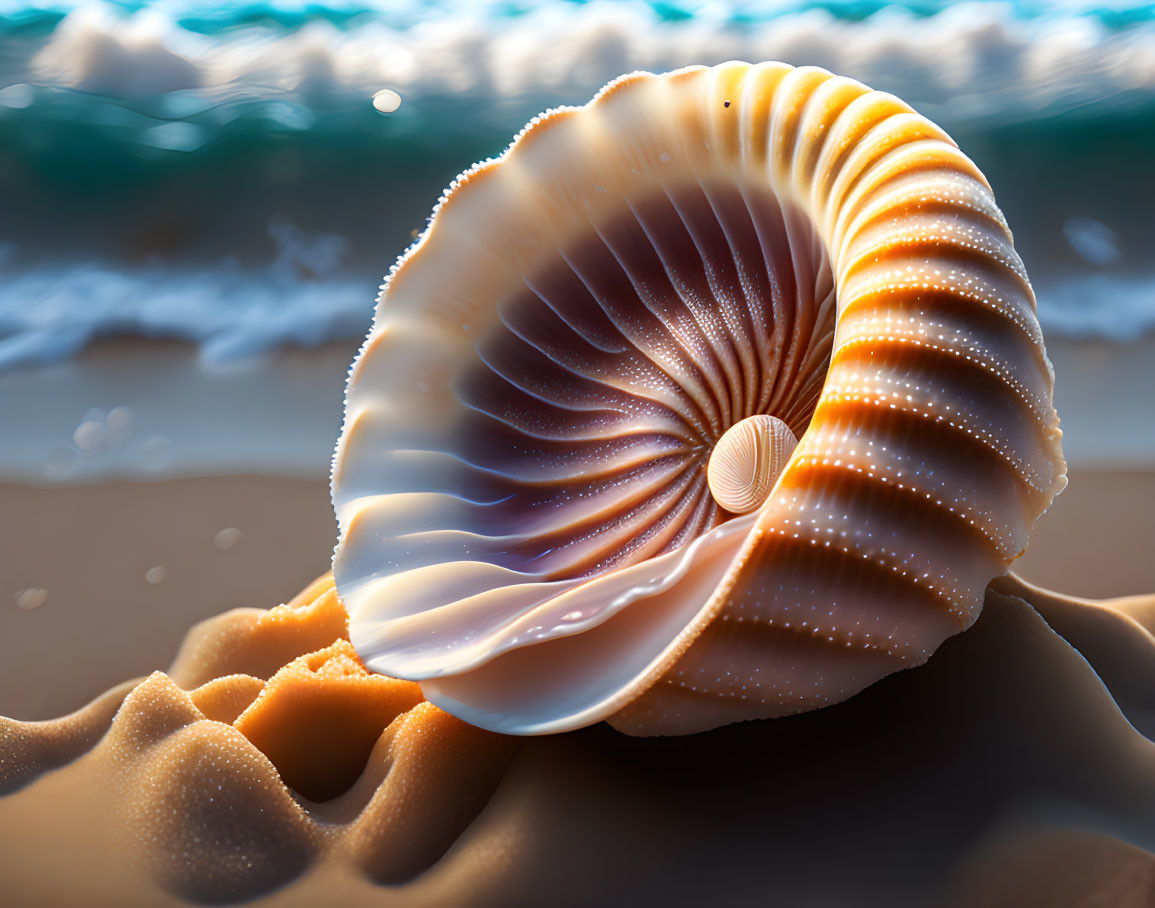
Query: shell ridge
x,y
572,405
752,315
780,315
595,373
719,340
697,394
707,389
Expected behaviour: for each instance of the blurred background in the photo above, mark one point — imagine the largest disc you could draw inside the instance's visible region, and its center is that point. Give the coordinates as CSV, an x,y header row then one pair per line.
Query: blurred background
x,y
199,199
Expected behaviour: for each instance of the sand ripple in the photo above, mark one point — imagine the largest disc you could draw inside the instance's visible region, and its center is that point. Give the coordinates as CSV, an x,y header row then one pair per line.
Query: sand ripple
x,y
223,782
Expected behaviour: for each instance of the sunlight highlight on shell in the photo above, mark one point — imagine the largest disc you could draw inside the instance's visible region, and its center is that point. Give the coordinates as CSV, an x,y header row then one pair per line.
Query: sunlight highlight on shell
x,y
527,522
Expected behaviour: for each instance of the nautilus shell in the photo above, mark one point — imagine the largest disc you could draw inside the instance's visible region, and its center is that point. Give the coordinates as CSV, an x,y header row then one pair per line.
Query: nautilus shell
x,y
527,523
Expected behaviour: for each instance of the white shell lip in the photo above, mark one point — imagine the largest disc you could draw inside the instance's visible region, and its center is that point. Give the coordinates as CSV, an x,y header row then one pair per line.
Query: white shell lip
x,y
647,578
596,701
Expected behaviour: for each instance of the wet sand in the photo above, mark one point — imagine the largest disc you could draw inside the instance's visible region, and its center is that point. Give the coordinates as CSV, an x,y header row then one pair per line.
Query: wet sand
x,y
91,548
281,415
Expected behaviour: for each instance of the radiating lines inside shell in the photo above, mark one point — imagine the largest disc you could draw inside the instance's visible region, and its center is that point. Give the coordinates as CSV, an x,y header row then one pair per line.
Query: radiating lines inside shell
x,y
623,359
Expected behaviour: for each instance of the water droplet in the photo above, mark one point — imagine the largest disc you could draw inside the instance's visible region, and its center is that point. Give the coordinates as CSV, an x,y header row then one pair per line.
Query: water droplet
x,y
227,538
155,575
119,420
1093,240
17,97
31,598
89,436
59,463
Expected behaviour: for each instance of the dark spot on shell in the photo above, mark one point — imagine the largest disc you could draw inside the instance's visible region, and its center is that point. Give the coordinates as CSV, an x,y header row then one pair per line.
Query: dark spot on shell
x,y
725,103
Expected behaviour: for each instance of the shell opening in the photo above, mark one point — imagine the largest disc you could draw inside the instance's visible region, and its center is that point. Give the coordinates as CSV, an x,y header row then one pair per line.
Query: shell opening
x,y
624,357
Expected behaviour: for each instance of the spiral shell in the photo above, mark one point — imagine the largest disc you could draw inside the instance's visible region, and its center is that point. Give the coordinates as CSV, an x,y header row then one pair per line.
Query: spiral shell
x,y
526,522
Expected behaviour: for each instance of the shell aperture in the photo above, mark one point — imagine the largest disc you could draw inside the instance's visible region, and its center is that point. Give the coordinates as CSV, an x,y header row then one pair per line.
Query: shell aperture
x,y
527,521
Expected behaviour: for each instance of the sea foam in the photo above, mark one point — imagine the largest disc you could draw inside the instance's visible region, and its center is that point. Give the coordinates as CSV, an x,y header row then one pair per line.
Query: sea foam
x,y
219,172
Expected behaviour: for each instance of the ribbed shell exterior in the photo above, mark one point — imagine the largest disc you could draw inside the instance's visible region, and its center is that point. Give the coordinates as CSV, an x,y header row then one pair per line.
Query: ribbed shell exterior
x,y
525,523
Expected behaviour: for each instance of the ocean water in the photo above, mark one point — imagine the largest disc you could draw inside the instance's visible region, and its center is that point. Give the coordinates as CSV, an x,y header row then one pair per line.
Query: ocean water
x,y
218,172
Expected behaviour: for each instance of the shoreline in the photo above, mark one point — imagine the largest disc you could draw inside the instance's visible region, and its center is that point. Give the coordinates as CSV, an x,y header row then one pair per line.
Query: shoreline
x,y
277,415
280,415
249,448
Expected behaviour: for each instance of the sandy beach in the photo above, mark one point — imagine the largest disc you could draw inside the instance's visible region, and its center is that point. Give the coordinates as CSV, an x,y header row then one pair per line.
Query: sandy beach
x,y
1002,773
107,566
90,549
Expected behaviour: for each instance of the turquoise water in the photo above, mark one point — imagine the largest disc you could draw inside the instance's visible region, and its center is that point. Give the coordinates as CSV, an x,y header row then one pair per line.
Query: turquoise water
x,y
217,172
208,17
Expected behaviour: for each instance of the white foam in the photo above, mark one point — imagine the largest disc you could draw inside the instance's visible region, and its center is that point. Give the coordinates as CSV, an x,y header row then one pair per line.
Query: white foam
x,y
50,312
972,60
1108,306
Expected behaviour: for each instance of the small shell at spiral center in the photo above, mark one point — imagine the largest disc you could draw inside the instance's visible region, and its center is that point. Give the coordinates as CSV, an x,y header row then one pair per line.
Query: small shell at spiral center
x,y
747,461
